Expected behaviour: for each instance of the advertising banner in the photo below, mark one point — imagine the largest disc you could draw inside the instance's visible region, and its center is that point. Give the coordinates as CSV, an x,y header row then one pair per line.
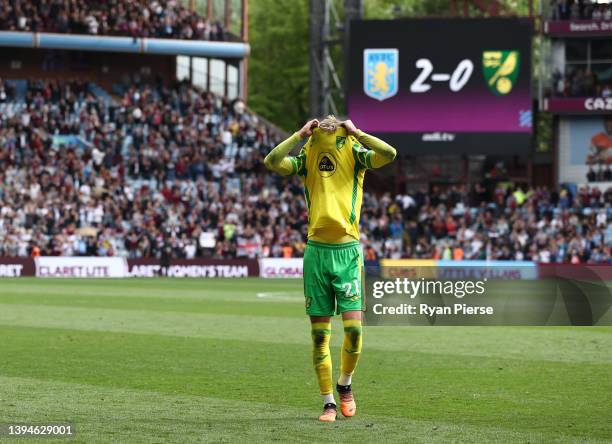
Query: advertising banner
x,y
578,27
193,268
430,269
578,105
281,268
80,267
585,149
16,267
499,270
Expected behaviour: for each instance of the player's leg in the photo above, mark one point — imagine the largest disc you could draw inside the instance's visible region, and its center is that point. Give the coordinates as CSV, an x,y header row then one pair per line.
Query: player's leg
x,y
351,346
320,306
321,358
351,351
349,295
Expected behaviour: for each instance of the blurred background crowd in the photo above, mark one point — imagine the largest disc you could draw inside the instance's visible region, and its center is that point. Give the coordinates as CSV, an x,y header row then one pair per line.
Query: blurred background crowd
x,y
580,10
134,18
580,82
176,171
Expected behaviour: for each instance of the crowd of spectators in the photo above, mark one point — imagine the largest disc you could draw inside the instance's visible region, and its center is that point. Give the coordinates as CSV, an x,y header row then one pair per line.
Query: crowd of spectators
x,y
134,18
580,10
601,174
580,82
160,168
175,171
7,92
507,223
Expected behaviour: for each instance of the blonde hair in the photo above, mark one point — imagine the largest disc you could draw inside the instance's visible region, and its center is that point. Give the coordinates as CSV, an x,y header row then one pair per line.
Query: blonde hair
x,y
330,124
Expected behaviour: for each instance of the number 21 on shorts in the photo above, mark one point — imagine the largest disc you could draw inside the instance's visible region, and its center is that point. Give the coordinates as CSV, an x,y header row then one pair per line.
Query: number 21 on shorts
x,y
351,288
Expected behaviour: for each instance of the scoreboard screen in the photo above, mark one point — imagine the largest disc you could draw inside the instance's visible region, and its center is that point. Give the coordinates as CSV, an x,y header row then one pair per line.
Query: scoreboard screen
x,y
443,85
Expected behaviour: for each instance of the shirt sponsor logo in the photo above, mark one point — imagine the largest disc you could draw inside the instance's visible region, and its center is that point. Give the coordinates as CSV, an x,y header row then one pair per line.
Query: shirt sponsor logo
x,y
327,165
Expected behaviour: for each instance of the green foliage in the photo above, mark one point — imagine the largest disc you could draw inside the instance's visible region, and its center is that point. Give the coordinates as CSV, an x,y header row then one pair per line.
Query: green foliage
x,y
278,66
386,9
279,62
544,132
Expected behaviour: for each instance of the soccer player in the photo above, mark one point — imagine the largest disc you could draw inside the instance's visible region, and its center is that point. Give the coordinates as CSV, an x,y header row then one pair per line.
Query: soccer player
x,y
331,166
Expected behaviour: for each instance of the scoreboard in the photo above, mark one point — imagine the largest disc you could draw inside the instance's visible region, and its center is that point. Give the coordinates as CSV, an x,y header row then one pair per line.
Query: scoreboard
x,y
443,85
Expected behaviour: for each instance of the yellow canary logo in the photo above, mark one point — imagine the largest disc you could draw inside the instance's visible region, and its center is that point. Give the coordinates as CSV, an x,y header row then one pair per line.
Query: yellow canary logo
x,y
501,69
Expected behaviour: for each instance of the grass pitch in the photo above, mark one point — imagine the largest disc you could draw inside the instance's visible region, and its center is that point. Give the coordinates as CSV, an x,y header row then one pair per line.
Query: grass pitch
x,y
229,360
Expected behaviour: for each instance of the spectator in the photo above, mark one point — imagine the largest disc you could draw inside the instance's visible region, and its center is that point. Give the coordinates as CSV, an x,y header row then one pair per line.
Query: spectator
x,y
579,10
173,171
134,18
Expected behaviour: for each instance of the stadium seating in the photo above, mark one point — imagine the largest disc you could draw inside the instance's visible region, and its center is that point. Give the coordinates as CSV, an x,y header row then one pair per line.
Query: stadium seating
x,y
570,10
135,18
178,171
578,82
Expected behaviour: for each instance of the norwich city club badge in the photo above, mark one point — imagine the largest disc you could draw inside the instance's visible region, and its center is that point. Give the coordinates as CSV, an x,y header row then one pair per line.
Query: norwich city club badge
x,y
501,69
340,142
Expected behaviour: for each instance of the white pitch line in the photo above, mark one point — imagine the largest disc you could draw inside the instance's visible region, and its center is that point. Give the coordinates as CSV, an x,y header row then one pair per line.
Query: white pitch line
x,y
280,296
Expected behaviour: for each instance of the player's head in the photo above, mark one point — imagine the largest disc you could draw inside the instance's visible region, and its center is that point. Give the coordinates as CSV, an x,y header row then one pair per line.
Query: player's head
x,y
330,124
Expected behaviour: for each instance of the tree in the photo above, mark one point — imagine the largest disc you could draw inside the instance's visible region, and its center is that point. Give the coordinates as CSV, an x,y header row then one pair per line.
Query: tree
x,y
382,9
387,9
279,62
278,66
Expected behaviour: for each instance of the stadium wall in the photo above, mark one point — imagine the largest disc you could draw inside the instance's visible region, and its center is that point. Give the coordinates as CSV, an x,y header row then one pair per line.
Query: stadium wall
x,y
16,267
103,68
200,48
118,267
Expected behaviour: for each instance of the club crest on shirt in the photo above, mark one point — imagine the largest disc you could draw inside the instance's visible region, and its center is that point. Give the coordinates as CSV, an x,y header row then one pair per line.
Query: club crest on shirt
x,y
340,142
327,164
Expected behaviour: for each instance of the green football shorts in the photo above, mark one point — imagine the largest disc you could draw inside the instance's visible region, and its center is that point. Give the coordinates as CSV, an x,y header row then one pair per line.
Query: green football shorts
x,y
332,278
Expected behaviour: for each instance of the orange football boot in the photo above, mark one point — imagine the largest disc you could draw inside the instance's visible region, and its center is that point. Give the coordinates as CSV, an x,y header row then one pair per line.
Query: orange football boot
x,y
329,413
347,400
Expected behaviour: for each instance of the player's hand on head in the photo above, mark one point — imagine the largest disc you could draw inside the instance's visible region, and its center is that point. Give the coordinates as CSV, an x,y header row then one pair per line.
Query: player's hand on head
x,y
307,129
350,127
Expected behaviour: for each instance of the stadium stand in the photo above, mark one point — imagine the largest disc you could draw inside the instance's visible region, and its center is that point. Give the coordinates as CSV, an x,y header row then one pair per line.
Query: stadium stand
x,y
580,10
579,82
134,18
178,171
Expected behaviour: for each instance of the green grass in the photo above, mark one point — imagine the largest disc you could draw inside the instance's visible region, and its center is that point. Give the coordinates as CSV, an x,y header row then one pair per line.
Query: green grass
x,y
229,360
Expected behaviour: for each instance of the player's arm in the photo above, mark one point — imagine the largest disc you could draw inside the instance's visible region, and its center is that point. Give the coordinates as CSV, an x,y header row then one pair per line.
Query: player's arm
x,y
279,161
382,153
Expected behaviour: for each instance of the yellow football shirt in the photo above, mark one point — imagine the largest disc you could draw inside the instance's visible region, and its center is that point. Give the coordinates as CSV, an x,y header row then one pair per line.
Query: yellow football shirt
x,y
332,168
